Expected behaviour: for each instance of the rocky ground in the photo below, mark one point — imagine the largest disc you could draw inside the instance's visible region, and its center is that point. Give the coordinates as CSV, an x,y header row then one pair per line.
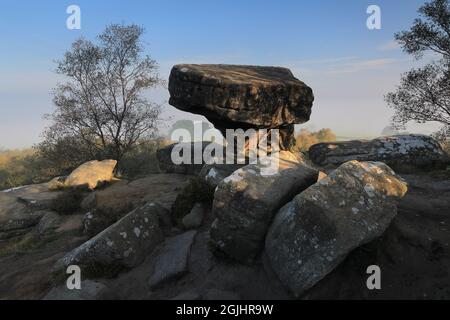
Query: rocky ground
x,y
413,254
307,227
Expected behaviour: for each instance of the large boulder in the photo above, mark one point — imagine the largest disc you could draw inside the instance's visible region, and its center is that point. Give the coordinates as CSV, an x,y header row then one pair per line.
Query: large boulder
x,y
171,261
15,218
105,206
400,152
246,201
313,234
91,173
232,96
123,245
242,97
35,196
192,166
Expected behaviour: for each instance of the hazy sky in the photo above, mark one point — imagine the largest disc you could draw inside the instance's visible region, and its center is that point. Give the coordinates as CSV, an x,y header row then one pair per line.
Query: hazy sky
x,y
325,43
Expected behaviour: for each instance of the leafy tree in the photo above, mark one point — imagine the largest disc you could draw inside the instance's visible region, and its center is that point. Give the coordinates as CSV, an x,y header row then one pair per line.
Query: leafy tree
x,y
101,111
305,139
424,93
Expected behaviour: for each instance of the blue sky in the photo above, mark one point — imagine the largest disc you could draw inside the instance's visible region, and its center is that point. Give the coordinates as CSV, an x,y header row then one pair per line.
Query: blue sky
x,y
325,43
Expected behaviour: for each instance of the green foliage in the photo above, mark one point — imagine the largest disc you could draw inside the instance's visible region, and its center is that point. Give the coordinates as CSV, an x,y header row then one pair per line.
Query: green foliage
x,y
305,139
19,167
424,93
100,105
197,190
141,160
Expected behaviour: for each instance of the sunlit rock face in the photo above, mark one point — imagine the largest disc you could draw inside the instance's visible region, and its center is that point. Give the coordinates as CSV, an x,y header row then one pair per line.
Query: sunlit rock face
x,y
400,152
242,97
91,173
246,201
313,234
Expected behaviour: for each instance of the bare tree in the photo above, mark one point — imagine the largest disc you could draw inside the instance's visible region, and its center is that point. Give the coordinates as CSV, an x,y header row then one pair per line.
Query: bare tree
x,y
101,106
424,93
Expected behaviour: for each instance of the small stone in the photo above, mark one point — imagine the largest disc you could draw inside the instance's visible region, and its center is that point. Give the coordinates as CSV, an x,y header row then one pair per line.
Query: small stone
x,y
48,223
195,218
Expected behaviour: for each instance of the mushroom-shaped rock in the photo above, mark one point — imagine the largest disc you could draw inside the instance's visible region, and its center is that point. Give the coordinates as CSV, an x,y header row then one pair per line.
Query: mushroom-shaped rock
x,y
241,97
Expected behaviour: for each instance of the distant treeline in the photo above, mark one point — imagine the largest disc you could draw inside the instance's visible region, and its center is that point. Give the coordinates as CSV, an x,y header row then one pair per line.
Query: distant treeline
x,y
30,166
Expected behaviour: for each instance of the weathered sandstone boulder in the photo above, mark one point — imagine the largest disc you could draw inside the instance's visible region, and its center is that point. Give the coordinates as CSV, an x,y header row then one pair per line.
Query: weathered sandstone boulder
x,y
22,208
215,173
35,196
123,245
171,261
91,173
105,206
399,152
313,234
57,183
233,96
246,201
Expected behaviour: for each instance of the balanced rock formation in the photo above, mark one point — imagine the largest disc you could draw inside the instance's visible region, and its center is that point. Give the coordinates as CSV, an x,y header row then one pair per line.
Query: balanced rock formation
x,y
313,234
246,201
242,97
399,152
192,152
91,173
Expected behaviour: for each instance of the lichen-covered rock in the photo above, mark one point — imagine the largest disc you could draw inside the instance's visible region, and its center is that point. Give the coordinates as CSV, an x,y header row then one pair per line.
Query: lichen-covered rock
x,y
215,173
91,173
400,152
312,234
233,96
192,166
245,203
122,245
